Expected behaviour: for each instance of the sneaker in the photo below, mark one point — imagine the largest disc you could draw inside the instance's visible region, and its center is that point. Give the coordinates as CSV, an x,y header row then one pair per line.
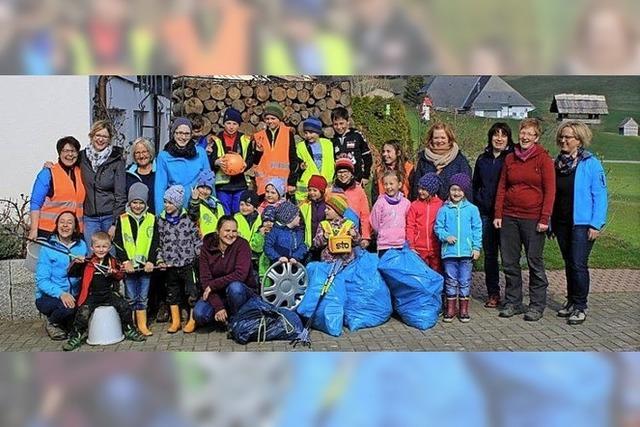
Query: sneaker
x,y
577,317
55,332
132,334
510,310
532,315
566,310
74,342
493,301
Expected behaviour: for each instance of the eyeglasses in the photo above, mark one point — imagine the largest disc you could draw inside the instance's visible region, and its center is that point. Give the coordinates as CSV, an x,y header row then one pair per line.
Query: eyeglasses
x,y
531,134
97,136
69,151
567,137
183,133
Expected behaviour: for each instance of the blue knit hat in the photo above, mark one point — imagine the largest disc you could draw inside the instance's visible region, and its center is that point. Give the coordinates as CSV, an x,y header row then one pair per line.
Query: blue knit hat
x,y
269,213
180,121
286,212
430,182
206,179
231,114
175,195
463,181
313,124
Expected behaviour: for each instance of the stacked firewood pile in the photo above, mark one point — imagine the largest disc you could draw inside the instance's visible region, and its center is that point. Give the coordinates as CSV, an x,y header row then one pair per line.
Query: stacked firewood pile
x,y
210,97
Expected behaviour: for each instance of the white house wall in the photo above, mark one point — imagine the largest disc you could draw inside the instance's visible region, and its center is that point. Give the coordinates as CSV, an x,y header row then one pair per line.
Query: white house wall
x,y
35,112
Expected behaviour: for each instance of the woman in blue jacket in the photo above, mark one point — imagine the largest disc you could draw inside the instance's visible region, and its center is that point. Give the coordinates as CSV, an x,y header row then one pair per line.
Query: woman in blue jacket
x,y
56,292
579,212
179,164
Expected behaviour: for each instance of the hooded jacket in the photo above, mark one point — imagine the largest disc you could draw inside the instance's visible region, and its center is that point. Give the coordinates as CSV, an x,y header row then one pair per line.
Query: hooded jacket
x,y
421,220
462,221
390,222
51,276
459,164
284,241
106,187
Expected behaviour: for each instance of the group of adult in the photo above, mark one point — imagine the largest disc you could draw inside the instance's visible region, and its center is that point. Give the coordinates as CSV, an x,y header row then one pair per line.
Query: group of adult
x,y
520,191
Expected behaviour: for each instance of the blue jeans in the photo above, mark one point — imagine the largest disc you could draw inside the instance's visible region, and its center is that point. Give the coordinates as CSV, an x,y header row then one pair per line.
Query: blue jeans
x,y
237,293
491,245
230,201
457,276
575,247
94,224
55,310
137,290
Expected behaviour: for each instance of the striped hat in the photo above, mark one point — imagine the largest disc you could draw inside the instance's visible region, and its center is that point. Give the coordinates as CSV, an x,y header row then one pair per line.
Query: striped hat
x,y
337,202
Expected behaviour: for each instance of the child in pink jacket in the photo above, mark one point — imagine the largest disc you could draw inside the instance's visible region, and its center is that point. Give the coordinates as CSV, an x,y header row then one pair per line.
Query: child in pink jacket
x,y
389,214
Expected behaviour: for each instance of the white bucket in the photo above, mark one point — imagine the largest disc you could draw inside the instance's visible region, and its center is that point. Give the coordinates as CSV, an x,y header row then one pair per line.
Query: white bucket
x,y
31,260
105,327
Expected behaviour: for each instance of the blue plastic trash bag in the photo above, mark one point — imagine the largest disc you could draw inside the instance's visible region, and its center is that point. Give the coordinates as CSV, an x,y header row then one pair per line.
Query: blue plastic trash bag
x,y
368,298
416,290
329,316
260,321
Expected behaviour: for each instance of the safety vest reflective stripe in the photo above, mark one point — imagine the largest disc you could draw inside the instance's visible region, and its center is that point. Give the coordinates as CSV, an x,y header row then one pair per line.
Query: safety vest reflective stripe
x,y
221,177
344,229
138,250
275,158
66,197
209,219
328,165
244,230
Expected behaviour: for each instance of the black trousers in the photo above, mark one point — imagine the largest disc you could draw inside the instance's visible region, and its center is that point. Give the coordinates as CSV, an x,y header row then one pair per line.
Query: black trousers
x,y
181,286
81,321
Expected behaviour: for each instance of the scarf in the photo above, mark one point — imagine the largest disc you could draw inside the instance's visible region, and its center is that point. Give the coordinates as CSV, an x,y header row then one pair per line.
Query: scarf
x,y
566,164
187,152
342,185
97,158
173,219
394,200
525,155
440,161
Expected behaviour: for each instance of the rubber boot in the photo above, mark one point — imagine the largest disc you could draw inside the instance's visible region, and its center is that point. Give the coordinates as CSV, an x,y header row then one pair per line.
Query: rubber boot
x,y
141,322
464,310
175,319
190,326
451,309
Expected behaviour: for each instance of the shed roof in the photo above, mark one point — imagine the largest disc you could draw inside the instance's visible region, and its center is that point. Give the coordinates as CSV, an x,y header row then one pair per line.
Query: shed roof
x,y
628,121
579,103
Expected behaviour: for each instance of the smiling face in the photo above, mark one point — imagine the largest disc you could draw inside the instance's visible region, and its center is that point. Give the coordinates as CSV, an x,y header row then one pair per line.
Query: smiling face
x,y
314,194
141,155
527,137
182,135
340,126
456,194
101,139
440,139
270,194
272,121
311,136
204,192
137,206
100,247
66,226
68,155
423,194
246,208
170,208
330,213
389,154
344,175
228,232
499,140
568,142
391,185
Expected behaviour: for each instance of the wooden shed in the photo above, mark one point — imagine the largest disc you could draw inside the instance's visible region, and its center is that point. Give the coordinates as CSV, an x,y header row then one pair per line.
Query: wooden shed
x,y
628,127
585,108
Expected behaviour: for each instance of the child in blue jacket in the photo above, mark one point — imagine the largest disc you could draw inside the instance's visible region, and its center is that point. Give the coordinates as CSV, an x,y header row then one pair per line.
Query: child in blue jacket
x,y
285,242
459,228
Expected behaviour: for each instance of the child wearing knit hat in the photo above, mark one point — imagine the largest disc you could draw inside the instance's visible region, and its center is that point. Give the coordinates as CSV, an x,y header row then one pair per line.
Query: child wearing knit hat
x,y
274,194
346,181
337,236
312,211
421,219
204,207
316,156
459,229
285,242
249,222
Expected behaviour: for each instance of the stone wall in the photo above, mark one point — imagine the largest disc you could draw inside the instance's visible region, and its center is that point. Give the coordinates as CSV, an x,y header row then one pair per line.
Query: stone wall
x,y
17,293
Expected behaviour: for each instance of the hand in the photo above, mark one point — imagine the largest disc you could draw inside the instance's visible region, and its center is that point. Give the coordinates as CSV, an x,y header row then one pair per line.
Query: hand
x,y
364,182
218,162
364,243
162,266
291,189
33,232
221,316
283,259
79,260
497,223
68,300
325,234
541,228
128,267
452,240
593,234
303,165
205,294
352,232
475,255
195,194
112,231
48,164
148,267
293,261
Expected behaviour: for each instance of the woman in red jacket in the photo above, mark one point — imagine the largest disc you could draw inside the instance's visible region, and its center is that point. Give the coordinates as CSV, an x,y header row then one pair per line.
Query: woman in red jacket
x,y
524,202
226,274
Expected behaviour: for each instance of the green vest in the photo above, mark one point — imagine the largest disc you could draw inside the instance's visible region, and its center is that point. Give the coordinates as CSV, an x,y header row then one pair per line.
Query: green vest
x,y
244,230
221,177
138,250
328,165
209,219
335,53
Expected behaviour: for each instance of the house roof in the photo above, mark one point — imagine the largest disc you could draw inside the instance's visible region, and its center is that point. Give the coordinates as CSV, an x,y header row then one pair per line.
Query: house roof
x,y
579,103
498,93
627,121
450,91
380,92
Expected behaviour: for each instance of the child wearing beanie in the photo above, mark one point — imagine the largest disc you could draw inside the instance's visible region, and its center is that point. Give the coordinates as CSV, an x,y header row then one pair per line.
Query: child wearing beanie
x,y
312,211
274,193
353,191
459,228
249,223
336,227
285,242
204,207
136,243
178,248
316,156
421,219
268,218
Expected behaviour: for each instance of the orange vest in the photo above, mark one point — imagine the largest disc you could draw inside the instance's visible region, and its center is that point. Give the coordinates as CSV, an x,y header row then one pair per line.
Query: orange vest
x,y
275,158
406,185
65,197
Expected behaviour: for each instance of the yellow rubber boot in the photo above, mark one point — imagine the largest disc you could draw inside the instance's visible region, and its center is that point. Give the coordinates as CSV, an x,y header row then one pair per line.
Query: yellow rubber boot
x,y
175,319
190,326
141,321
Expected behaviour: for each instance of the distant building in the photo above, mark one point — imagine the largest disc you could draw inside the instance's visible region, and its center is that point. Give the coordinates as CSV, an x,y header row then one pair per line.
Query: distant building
x,y
628,127
585,108
381,93
482,96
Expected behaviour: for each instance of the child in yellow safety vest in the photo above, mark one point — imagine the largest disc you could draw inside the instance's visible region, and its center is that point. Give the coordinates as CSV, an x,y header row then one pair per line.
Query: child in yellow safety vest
x,y
249,223
204,207
316,156
337,235
136,243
